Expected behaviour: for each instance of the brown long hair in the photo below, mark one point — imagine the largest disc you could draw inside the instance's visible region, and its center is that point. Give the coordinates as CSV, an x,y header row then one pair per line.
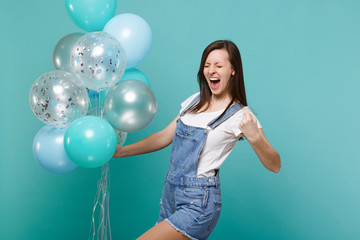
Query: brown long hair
x,y
236,85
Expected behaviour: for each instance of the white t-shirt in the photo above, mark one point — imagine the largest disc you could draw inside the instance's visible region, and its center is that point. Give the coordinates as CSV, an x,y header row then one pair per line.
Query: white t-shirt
x,y
220,141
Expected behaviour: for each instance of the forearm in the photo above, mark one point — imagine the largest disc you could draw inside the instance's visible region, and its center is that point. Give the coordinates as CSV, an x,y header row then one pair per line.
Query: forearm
x,y
149,144
268,156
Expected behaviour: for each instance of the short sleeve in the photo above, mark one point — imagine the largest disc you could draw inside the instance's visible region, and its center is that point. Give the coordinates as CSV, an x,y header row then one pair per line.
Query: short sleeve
x,y
185,103
238,118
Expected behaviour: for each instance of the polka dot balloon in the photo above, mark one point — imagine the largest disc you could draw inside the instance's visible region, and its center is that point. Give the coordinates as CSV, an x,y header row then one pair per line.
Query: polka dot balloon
x,y
121,137
99,60
58,98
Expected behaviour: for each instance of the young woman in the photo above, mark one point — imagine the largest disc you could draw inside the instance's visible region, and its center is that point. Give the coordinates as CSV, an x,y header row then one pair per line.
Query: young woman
x,y
202,136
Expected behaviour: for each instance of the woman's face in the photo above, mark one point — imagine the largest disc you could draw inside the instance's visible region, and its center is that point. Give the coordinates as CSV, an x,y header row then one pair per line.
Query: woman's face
x,y
217,71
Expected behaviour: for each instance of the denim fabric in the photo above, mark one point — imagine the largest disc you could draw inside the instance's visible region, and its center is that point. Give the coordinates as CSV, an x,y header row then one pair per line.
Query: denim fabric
x,y
191,205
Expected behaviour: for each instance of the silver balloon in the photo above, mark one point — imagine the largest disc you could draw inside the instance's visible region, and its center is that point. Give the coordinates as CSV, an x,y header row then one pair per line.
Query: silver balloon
x,y
58,98
99,60
62,51
130,106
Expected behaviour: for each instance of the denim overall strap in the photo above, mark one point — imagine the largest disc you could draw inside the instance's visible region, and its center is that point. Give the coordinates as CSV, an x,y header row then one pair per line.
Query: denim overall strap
x,y
196,99
231,111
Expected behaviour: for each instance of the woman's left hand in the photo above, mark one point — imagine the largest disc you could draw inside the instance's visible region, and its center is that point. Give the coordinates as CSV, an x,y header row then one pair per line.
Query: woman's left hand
x,y
249,126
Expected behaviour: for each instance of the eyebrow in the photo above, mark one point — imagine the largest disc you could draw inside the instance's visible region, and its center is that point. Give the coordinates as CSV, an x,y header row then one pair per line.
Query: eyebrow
x,y
215,63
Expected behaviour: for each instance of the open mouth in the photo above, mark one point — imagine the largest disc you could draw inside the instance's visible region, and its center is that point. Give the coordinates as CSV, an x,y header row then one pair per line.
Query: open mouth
x,y
215,83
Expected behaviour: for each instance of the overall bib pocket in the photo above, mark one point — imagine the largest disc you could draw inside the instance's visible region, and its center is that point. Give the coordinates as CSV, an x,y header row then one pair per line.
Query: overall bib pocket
x,y
182,150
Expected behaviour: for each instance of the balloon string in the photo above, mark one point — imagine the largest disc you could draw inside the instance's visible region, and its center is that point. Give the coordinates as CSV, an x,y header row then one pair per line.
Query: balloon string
x,y
102,212
96,202
99,104
102,199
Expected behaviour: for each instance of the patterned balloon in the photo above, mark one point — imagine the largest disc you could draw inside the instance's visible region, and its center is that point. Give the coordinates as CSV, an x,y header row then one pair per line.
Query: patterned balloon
x,y
121,137
58,98
99,60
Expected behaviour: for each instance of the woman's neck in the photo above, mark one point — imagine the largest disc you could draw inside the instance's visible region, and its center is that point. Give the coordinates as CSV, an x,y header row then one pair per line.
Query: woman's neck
x,y
223,100
216,103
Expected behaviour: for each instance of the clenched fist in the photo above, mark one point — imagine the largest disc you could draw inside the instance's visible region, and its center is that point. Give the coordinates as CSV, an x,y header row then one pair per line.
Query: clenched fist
x,y
249,126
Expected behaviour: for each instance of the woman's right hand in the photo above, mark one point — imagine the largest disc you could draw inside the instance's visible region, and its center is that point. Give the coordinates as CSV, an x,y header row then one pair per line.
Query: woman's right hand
x,y
119,152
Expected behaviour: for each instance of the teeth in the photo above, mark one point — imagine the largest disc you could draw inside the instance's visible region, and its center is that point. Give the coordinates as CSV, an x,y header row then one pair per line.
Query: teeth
x,y
214,79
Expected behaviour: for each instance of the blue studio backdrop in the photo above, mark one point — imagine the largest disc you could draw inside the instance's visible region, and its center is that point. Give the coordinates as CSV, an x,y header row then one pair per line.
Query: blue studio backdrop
x,y
301,63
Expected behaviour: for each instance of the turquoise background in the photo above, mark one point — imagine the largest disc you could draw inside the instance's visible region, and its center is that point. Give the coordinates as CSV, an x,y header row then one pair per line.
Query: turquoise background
x,y
302,74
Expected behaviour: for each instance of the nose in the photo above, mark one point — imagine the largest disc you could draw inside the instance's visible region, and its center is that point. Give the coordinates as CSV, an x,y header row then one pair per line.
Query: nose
x,y
211,70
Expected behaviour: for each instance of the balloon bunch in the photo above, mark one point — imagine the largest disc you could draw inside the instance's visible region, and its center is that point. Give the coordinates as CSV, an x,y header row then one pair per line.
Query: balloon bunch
x,y
95,96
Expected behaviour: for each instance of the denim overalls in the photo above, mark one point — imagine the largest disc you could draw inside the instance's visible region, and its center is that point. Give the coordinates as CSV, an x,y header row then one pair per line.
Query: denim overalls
x,y
191,205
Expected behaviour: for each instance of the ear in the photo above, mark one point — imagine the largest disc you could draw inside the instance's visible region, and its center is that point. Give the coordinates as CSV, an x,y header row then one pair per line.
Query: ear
x,y
233,73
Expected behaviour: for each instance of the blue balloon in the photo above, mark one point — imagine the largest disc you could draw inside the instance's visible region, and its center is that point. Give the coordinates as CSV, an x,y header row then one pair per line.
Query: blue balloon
x,y
133,73
93,93
91,15
90,141
97,99
134,33
49,152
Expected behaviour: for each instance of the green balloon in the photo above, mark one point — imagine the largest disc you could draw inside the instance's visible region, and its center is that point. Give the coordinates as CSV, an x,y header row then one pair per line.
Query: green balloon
x,y
136,74
90,142
91,15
